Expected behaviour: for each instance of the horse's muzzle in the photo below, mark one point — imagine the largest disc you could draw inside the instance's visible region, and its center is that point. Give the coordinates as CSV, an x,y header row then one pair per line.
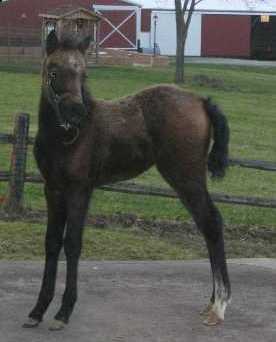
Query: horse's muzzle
x,y
73,112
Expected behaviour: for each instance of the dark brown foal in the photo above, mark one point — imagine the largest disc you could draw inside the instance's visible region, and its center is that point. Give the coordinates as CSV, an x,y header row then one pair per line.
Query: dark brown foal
x,y
83,143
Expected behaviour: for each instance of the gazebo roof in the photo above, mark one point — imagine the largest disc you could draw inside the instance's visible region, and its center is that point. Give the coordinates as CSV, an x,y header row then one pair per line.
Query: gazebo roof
x,y
71,12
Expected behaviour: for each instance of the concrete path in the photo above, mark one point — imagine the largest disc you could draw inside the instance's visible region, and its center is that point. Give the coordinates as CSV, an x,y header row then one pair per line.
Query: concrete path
x,y
230,61
143,302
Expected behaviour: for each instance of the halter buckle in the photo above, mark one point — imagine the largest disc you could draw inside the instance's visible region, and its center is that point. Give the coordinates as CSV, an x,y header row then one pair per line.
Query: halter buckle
x,y
66,126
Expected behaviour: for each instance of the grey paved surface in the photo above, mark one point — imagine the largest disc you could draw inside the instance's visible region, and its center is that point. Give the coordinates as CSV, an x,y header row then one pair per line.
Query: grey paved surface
x,y
230,61
143,302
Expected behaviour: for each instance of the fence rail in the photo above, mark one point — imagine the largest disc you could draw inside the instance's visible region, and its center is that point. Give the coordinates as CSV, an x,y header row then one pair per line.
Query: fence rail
x,y
17,177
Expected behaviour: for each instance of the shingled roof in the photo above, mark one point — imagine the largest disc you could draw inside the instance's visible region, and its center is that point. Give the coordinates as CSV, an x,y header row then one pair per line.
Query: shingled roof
x,y
68,11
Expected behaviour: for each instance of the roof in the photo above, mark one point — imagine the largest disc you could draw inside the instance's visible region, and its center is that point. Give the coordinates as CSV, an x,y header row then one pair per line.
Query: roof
x,y
133,2
68,11
259,6
117,2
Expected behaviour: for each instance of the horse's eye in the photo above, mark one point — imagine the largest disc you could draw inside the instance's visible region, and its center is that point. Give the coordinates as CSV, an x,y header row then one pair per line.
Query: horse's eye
x,y
52,75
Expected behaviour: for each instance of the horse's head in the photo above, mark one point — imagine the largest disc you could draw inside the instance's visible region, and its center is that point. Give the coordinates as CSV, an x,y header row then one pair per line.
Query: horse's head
x,y
64,74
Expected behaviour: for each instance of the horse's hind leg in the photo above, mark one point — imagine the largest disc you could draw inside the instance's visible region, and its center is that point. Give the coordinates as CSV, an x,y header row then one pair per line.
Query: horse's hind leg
x,y
210,223
194,195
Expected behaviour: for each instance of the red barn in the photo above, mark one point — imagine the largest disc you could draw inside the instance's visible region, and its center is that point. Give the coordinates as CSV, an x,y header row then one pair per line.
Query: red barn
x,y
120,26
25,13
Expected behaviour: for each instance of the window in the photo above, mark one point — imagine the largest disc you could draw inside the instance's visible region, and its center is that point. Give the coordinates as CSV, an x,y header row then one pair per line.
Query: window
x,y
265,18
50,27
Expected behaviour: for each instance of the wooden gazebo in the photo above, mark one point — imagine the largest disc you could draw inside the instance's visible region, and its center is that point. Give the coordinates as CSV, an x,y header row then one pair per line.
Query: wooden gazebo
x,y
74,19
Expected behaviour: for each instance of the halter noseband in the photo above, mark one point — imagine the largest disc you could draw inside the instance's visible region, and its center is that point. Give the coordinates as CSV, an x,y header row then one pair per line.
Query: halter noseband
x,y
55,100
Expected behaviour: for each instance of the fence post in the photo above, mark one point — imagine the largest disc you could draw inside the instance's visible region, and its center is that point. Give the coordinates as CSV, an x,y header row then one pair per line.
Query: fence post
x,y
14,201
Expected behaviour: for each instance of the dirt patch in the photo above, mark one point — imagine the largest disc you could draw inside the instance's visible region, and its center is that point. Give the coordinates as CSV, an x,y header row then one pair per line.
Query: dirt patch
x,y
216,83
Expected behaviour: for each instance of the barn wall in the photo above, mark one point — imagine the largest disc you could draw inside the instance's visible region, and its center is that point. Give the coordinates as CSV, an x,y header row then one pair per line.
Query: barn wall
x,y
145,40
146,20
166,33
226,35
24,13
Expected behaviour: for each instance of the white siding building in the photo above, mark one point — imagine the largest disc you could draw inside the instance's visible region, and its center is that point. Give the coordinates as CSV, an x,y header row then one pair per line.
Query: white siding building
x,y
203,23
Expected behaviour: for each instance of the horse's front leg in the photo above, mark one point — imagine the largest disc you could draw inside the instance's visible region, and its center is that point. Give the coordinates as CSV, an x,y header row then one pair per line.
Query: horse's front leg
x,y
77,204
53,243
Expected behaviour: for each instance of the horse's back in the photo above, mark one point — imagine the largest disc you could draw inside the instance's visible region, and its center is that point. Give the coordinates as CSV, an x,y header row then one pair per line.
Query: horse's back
x,y
176,117
160,108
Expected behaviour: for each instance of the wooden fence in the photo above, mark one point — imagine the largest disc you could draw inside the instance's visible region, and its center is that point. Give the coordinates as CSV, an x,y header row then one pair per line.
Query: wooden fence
x,y
17,175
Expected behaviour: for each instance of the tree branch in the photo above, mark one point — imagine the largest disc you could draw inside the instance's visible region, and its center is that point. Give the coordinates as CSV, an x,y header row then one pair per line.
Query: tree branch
x,y
193,3
185,5
197,2
190,13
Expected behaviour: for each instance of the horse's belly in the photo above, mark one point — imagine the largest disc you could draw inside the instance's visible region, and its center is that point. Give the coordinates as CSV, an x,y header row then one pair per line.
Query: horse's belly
x,y
126,159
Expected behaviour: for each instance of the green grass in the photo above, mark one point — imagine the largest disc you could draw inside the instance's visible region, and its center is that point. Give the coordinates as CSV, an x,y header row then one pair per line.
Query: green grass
x,y
25,241
247,97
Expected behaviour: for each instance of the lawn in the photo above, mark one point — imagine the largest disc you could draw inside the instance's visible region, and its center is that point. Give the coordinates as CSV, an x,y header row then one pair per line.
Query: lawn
x,y
25,241
246,95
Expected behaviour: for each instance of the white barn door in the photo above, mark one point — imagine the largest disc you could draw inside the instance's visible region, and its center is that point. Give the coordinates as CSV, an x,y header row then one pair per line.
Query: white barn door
x,y
166,33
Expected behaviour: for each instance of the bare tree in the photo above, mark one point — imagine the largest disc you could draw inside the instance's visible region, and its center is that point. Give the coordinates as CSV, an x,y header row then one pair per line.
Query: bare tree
x,y
183,11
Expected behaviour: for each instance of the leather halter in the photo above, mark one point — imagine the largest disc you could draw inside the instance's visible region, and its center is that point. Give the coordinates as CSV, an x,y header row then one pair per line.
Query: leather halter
x,y
55,100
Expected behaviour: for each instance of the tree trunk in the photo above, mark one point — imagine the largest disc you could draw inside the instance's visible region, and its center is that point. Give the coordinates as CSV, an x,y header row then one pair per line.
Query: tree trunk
x,y
182,26
179,74
180,39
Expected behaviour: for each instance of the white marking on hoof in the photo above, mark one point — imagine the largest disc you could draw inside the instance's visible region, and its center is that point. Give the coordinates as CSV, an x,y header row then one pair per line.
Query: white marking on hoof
x,y
219,308
213,319
31,323
56,325
221,300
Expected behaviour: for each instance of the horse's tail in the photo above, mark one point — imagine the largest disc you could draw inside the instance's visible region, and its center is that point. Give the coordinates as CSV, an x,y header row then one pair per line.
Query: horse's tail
x,y
218,157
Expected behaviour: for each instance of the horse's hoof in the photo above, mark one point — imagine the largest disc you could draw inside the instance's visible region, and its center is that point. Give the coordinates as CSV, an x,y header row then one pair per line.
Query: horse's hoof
x,y
212,319
31,323
206,310
56,325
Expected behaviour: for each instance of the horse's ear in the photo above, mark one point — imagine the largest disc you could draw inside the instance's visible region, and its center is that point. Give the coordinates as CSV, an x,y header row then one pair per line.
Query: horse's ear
x,y
84,44
51,42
